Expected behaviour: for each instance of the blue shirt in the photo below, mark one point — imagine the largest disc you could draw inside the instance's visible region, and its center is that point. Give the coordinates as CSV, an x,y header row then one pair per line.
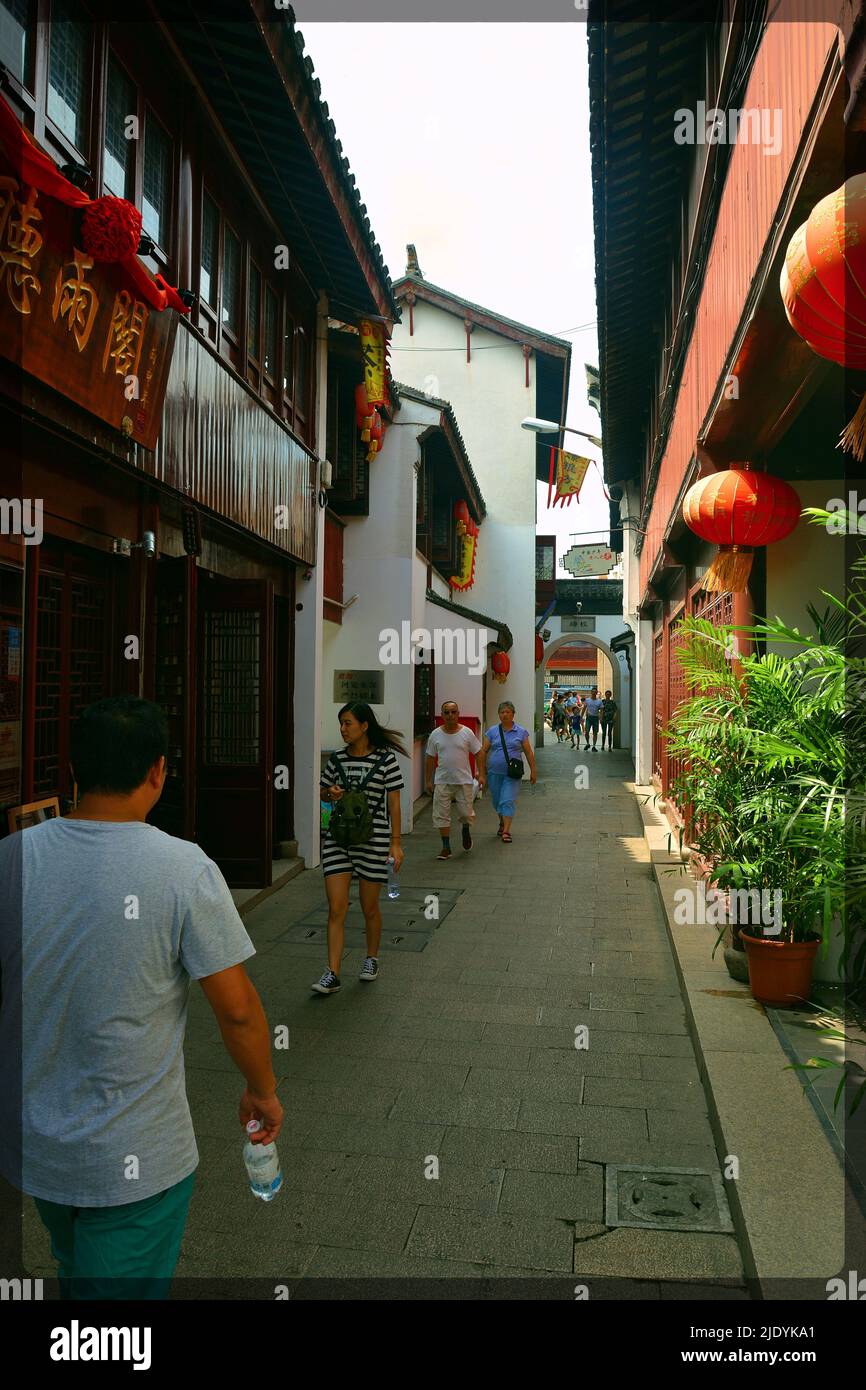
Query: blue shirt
x,y
513,741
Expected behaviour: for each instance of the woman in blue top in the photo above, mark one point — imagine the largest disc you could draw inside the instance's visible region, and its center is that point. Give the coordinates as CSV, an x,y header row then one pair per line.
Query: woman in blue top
x,y
492,765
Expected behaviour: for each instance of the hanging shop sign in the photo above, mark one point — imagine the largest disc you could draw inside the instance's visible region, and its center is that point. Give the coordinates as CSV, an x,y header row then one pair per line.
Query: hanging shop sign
x,y
465,577
78,310
372,337
74,323
567,472
589,561
738,509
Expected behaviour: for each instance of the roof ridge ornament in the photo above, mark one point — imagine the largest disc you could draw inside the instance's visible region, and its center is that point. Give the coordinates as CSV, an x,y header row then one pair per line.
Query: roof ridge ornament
x,y
412,266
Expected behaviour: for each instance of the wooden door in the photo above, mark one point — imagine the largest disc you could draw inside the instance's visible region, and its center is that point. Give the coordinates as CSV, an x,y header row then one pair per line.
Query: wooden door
x,y
77,656
234,816
174,649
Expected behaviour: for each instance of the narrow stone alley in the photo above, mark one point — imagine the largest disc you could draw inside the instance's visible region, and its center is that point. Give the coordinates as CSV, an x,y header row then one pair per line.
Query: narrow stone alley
x,y
462,1059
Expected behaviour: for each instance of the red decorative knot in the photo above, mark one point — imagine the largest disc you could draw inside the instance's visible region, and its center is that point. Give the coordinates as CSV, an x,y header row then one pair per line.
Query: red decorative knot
x,y
111,229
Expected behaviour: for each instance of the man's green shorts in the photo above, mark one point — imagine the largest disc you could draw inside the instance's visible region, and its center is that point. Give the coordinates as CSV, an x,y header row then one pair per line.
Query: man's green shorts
x,y
118,1252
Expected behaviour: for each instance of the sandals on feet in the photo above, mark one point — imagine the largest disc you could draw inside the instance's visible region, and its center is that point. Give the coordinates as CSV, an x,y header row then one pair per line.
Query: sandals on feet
x,y
506,837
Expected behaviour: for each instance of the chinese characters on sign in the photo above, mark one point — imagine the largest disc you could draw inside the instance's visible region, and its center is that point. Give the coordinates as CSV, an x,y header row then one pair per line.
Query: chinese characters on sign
x,y
584,561
88,334
20,242
123,345
75,300
372,337
368,686
570,473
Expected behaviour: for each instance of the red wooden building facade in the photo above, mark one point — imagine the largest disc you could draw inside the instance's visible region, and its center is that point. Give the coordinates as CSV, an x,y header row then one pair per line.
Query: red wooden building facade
x,y
215,130
699,368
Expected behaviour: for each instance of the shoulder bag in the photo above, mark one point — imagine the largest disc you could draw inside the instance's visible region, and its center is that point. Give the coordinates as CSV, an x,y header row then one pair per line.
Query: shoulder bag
x,y
514,765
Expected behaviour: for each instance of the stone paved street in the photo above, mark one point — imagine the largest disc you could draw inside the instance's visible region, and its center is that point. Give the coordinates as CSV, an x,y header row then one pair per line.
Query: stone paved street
x,y
465,1051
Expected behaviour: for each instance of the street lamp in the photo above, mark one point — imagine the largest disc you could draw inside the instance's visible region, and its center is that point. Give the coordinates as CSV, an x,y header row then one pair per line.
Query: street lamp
x,y
551,427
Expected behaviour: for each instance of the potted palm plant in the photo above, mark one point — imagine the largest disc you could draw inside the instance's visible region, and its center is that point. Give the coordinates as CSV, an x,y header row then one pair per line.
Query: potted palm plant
x,y
763,746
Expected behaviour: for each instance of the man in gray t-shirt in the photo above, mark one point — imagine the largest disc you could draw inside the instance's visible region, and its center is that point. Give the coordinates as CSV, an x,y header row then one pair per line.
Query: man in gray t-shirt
x,y
107,921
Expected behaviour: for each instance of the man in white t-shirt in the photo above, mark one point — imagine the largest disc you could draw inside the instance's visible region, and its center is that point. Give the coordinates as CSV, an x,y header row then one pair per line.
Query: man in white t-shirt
x,y
451,744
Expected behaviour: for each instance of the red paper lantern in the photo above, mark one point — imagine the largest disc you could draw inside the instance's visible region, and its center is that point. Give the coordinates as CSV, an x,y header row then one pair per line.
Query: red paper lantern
x,y
738,509
110,229
823,287
539,650
501,666
461,516
829,328
377,431
363,412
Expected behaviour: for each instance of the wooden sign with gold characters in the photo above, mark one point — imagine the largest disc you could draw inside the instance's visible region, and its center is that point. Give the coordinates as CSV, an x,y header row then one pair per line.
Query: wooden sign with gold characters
x,y
76,324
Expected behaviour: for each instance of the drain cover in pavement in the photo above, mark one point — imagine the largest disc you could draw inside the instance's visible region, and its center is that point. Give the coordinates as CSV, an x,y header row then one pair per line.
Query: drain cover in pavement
x,y
666,1199
394,936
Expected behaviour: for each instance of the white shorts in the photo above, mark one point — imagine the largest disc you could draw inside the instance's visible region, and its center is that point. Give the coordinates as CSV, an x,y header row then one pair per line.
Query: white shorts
x,y
446,792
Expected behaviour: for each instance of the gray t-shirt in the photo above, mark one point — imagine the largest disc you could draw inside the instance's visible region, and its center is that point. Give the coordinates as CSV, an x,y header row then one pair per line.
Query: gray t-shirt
x,y
104,925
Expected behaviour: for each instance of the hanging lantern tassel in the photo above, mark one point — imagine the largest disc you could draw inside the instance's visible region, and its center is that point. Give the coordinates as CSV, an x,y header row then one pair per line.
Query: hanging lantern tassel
x,y
729,572
853,437
738,509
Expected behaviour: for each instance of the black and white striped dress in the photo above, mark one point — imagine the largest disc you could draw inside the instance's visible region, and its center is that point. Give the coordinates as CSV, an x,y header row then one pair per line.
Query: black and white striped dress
x,y
370,860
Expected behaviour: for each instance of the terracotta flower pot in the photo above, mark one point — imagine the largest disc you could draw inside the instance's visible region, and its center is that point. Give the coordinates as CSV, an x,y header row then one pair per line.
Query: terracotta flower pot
x,y
780,972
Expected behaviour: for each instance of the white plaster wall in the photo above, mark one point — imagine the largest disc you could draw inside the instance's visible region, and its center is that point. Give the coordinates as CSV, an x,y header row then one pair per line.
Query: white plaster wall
x,y
380,564
489,399
805,563
308,646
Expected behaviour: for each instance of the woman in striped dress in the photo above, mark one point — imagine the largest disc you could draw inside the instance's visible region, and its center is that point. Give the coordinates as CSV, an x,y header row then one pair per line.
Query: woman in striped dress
x,y
369,747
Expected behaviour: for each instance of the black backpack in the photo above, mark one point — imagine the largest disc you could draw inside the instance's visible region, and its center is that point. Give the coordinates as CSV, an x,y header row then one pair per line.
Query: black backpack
x,y
351,820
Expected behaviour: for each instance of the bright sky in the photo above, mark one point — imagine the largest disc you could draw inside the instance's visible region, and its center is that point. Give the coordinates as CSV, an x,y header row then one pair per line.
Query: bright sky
x,y
472,141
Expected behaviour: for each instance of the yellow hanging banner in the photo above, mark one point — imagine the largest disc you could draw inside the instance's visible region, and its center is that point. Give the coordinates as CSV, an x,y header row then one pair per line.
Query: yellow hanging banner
x,y
569,471
466,577
373,353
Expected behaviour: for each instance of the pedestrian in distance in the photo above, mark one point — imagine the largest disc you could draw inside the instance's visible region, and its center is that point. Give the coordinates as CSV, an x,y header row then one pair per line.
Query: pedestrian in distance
x,y
593,710
104,922
500,766
576,724
607,715
363,835
448,750
559,721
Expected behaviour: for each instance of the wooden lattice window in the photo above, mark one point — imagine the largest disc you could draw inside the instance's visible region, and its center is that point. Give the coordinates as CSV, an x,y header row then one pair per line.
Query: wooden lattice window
x,y
658,703
346,451
424,696
232,687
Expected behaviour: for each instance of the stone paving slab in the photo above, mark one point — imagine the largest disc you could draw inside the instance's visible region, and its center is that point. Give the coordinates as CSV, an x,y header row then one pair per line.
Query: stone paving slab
x,y
450,1184
538,1242
570,1197
662,1255
461,1060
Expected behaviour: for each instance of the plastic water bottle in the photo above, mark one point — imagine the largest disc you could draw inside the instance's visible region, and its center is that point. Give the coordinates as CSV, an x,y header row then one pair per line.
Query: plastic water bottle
x,y
263,1166
393,880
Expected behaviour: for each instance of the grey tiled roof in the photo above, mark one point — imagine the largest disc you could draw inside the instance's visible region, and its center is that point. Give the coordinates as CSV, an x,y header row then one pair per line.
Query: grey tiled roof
x,y
446,407
418,282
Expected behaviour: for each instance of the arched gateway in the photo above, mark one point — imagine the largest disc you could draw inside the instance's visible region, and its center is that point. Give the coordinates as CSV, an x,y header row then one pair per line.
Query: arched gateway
x,y
573,639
